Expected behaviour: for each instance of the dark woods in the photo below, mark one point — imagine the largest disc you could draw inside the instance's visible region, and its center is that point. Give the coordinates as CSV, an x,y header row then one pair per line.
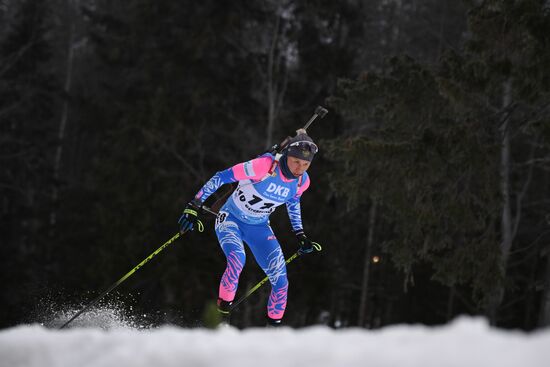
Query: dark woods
x,y
430,195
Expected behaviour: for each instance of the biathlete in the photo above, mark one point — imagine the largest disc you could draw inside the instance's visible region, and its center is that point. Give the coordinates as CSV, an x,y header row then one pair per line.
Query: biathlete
x,y
263,185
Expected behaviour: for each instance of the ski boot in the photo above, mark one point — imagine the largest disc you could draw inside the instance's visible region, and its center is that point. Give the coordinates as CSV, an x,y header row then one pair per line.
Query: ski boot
x,y
224,308
273,323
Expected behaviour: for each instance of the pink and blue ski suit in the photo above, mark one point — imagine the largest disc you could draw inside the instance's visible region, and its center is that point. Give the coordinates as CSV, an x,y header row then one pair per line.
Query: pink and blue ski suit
x,y
245,217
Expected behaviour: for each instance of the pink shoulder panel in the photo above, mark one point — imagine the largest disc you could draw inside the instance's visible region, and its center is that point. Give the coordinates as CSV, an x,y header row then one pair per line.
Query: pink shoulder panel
x,y
303,187
254,169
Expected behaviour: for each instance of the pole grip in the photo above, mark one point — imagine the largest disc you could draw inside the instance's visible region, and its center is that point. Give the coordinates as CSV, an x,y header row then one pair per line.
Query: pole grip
x,y
319,112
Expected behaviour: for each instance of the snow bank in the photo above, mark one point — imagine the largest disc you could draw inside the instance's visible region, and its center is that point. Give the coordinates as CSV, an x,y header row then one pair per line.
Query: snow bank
x,y
466,342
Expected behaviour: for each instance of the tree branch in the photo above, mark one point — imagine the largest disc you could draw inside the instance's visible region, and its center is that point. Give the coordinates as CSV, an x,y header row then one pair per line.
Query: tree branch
x,y
521,195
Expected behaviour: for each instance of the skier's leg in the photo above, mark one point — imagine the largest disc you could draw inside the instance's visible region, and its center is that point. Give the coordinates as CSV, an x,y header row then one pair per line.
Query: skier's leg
x,y
268,254
230,238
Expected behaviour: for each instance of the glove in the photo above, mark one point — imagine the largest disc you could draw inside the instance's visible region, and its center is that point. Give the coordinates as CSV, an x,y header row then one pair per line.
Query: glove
x,y
190,217
306,245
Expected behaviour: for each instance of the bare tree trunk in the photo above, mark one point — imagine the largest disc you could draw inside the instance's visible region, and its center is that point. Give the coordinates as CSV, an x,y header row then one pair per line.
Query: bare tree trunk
x,y
272,85
506,215
441,30
506,219
396,26
544,313
450,303
72,5
544,316
366,266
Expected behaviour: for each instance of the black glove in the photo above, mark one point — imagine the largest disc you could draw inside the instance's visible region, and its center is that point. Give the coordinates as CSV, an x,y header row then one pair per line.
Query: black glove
x,y
306,245
190,217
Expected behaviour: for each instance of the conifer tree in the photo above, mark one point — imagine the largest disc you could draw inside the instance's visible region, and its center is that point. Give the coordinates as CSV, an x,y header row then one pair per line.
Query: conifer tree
x,y
436,152
27,107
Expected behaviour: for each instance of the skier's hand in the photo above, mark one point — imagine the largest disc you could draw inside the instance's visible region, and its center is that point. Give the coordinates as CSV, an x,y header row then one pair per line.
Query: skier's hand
x,y
190,217
306,245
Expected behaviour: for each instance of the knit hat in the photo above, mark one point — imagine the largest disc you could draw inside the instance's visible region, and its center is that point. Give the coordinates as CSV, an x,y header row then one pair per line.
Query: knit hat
x,y
301,146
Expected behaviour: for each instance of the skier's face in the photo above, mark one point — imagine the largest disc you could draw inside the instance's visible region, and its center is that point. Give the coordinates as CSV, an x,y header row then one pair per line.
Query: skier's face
x,y
297,166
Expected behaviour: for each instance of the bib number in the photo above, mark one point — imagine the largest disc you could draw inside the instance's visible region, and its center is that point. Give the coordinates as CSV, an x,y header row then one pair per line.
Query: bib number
x,y
255,203
222,216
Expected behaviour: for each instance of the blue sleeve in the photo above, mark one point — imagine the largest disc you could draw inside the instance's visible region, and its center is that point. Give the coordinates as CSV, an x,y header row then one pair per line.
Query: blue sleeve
x,y
293,206
295,213
220,178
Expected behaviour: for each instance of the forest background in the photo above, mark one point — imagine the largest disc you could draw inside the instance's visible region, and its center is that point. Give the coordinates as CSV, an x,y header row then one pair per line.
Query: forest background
x,y
430,194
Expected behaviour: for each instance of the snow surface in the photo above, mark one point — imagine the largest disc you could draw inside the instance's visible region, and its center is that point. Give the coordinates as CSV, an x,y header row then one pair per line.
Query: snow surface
x,y
466,342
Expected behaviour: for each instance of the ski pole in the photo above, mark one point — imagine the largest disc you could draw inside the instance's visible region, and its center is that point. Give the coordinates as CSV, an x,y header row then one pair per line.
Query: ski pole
x,y
316,246
127,275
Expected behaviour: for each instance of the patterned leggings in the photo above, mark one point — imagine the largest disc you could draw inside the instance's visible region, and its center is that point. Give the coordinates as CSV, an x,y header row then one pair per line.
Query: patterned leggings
x,y
266,250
